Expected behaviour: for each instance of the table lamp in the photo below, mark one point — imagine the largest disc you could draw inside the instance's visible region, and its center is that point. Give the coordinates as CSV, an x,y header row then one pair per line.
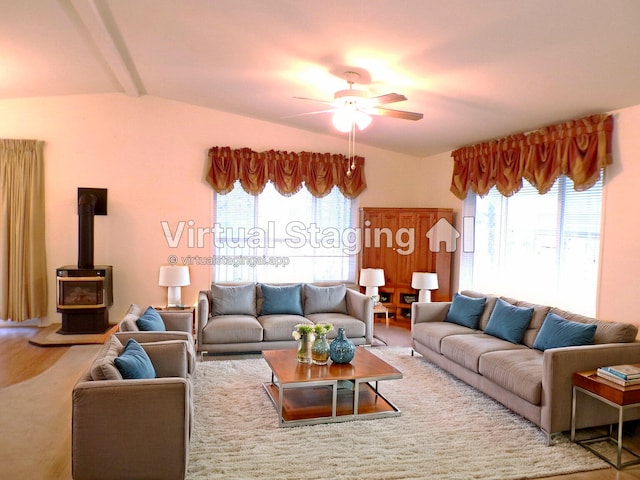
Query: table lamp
x,y
174,277
425,282
372,278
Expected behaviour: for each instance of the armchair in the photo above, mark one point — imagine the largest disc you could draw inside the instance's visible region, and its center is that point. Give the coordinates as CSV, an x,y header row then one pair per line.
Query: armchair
x,y
132,429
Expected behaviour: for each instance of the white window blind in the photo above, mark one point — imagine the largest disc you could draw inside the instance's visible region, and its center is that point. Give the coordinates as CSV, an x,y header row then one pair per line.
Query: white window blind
x,y
540,248
273,238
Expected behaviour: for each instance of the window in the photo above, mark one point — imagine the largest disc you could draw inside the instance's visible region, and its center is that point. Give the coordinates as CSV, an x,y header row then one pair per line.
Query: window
x,y
540,248
273,238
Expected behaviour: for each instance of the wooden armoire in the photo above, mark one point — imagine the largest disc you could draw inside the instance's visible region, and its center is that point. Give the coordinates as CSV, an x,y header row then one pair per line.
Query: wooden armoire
x,y
396,240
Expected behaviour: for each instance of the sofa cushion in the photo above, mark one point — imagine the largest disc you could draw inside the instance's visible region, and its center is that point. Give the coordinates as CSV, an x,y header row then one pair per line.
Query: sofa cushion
x,y
232,329
281,299
466,311
518,371
280,327
325,299
431,334
508,321
151,321
466,350
103,367
353,328
606,332
558,332
233,299
133,362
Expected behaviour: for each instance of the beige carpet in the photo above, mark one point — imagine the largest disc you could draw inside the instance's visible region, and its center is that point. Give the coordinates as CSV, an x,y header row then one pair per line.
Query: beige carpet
x,y
35,416
49,337
447,430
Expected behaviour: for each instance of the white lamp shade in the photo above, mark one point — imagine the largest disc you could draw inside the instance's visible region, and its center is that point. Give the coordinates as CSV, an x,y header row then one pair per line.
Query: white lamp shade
x,y
174,276
371,277
424,281
344,119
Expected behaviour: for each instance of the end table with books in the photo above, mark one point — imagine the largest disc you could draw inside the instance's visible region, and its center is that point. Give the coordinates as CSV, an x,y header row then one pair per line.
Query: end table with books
x,y
606,387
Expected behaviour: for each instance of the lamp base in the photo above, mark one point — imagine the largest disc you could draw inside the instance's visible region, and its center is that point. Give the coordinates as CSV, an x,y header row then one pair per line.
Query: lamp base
x,y
424,296
371,291
174,297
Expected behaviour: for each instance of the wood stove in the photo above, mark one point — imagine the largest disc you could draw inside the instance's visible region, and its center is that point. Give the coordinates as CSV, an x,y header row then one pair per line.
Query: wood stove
x,y
85,291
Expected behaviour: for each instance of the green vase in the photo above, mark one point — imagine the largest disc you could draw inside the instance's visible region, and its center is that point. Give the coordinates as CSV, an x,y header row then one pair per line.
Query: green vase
x,y
320,350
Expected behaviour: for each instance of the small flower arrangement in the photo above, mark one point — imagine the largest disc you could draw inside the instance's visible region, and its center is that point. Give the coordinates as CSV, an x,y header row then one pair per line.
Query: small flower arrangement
x,y
322,328
303,329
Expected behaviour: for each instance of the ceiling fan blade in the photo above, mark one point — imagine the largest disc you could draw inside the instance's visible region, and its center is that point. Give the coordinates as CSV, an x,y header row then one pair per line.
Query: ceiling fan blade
x,y
324,102
310,113
388,98
387,112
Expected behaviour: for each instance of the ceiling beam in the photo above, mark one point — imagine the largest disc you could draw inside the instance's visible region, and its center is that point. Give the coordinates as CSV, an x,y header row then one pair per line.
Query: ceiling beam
x,y
96,23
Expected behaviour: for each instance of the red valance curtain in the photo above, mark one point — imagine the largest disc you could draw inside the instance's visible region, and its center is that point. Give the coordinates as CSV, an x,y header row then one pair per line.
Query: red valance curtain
x,y
320,172
578,149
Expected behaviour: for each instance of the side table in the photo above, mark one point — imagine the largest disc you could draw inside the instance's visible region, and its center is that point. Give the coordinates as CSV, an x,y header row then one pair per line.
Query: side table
x,y
616,396
382,309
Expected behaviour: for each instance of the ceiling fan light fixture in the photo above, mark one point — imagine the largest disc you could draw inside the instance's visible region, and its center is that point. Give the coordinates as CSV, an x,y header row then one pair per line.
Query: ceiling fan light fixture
x,y
344,119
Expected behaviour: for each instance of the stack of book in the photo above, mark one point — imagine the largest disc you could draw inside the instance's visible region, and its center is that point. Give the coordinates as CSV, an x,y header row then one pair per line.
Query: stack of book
x,y
624,375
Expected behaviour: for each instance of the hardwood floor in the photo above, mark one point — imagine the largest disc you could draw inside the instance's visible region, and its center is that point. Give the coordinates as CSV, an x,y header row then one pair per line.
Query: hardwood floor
x,y
19,360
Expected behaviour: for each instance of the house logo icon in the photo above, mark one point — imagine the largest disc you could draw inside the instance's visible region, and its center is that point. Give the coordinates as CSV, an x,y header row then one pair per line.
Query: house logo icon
x,y
443,232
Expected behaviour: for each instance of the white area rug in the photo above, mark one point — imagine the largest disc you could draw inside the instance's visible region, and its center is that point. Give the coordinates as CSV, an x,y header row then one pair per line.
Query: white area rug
x,y
447,431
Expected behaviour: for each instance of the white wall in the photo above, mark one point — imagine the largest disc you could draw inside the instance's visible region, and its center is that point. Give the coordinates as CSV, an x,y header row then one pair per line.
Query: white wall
x,y
150,154
620,250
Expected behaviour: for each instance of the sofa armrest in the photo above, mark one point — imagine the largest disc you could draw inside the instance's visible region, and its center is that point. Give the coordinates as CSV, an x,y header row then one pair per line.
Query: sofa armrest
x,y
178,321
125,429
559,365
360,306
170,358
202,313
429,311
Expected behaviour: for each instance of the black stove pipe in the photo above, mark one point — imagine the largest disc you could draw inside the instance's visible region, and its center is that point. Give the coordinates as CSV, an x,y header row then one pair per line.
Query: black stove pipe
x,y
86,212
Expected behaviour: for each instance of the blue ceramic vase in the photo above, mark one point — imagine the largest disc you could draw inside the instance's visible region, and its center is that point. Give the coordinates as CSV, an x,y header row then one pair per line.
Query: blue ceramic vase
x,y
342,350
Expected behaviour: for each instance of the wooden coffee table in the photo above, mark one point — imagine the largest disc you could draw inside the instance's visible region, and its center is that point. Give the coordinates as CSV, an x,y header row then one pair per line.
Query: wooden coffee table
x,y
305,394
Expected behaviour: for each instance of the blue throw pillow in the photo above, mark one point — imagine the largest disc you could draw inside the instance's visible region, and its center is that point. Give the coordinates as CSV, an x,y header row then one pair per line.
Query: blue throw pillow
x,y
559,332
466,311
151,321
133,362
508,322
281,300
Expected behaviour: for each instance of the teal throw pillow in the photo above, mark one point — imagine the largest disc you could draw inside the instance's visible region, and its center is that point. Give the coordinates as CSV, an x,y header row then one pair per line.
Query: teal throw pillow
x,y
134,363
508,322
325,299
466,311
151,321
283,299
558,332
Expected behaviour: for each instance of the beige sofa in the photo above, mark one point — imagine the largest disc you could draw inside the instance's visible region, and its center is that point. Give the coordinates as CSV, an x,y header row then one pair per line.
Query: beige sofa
x,y
133,429
236,318
533,383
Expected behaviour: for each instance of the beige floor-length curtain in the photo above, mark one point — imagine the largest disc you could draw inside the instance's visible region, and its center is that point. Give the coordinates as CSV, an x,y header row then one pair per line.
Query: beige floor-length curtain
x,y
23,262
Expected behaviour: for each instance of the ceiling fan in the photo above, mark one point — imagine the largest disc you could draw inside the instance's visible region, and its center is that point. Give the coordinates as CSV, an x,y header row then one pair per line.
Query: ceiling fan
x,y
353,107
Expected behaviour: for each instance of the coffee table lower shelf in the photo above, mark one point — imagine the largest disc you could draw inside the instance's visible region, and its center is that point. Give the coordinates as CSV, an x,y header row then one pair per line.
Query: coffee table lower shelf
x,y
328,402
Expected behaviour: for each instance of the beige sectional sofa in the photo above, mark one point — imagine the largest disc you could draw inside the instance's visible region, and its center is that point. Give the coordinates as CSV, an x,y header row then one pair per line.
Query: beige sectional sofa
x,y
133,428
236,318
533,382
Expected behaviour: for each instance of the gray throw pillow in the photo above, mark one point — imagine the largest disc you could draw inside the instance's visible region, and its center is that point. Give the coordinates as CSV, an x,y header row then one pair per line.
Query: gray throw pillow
x,y
233,299
325,299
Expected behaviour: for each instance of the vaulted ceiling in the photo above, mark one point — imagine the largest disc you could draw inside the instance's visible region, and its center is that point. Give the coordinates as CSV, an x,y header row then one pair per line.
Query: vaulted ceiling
x,y
476,70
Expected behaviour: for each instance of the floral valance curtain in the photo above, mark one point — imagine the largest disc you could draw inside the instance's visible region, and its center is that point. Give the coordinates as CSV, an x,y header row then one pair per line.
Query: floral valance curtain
x,y
578,149
320,172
